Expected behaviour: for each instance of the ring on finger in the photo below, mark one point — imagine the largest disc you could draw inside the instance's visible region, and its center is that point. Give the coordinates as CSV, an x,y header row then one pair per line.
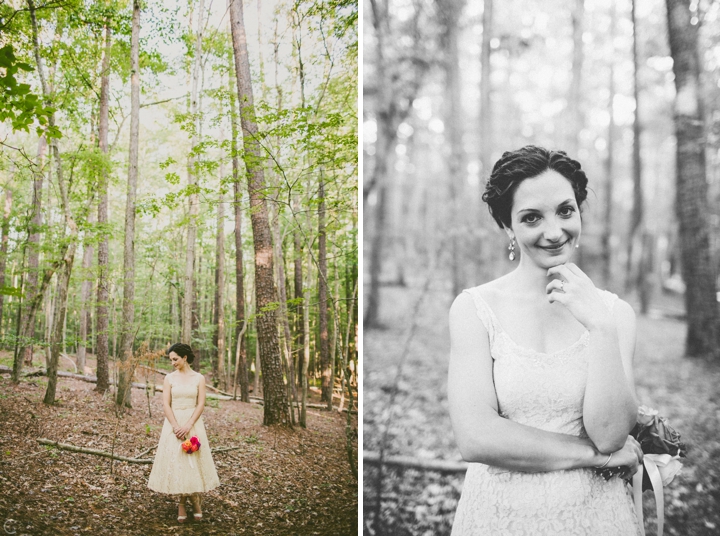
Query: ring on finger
x,y
562,285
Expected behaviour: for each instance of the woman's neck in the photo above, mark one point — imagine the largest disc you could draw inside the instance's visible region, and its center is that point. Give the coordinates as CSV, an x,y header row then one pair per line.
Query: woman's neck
x,y
184,370
529,278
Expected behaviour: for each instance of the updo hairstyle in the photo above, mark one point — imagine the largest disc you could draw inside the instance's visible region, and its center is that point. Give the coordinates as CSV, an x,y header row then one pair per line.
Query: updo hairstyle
x,y
183,350
528,162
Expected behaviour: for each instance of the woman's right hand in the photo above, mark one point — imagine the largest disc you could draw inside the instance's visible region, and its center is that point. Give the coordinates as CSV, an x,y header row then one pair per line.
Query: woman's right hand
x,y
630,456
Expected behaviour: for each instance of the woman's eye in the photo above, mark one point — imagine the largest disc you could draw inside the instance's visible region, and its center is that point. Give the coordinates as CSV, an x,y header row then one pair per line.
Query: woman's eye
x,y
531,218
567,211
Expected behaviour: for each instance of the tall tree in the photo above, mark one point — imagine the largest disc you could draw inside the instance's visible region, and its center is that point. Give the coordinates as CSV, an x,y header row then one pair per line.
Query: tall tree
x,y
219,316
4,245
103,293
127,333
609,159
326,393
194,198
275,406
703,315
485,88
85,290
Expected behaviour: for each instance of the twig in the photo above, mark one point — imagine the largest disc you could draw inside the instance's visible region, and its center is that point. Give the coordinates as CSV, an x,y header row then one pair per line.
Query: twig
x,y
96,452
440,466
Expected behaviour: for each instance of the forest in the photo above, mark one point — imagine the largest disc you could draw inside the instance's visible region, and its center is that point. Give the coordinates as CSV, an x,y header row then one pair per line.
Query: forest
x,y
630,88
179,171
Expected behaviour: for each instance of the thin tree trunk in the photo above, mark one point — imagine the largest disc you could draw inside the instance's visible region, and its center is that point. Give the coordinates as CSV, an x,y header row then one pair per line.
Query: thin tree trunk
x,y
241,367
101,312
703,316
275,406
326,395
193,198
125,372
306,356
634,243
609,161
4,246
85,290
298,282
219,320
485,88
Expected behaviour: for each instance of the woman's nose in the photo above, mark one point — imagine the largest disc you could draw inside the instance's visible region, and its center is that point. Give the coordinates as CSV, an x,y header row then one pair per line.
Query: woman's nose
x,y
553,231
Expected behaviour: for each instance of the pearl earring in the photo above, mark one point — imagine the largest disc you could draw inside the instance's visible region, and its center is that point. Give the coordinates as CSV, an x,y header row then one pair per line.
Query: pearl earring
x,y
511,247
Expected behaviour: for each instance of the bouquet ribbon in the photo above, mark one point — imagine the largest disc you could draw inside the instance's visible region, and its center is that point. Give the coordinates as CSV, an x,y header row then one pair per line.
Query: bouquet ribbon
x,y
650,465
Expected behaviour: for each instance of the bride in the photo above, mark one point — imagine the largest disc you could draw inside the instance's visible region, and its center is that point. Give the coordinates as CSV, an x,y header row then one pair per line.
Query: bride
x,y
540,382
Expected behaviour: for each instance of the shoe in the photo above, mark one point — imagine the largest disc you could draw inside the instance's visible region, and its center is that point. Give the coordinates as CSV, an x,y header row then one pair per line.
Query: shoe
x,y
182,519
197,516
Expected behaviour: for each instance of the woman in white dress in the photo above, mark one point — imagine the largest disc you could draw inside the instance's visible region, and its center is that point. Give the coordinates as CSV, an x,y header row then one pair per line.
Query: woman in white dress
x,y
540,381
175,471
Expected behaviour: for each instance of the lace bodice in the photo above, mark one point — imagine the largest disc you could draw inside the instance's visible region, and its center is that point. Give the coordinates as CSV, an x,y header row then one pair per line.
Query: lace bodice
x,y
544,391
183,392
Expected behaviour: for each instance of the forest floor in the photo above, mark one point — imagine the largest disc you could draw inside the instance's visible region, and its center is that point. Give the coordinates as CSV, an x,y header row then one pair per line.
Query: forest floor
x,y
685,390
279,482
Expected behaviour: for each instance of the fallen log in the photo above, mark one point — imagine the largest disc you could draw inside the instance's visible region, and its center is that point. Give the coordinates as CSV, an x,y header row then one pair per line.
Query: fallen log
x,y
408,462
105,454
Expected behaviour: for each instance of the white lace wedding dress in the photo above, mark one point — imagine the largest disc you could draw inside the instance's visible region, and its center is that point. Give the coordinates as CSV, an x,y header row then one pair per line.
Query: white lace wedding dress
x,y
544,391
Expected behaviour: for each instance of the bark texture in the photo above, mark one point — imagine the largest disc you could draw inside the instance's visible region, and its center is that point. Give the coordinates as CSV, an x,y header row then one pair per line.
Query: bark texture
x,y
101,311
703,317
275,406
127,337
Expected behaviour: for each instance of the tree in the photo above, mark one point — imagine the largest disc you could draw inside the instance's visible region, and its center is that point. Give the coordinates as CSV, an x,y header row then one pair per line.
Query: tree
x,y
275,407
101,310
127,333
703,316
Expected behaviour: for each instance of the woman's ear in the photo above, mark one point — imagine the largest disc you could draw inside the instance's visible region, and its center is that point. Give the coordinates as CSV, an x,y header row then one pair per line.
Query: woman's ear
x,y
509,231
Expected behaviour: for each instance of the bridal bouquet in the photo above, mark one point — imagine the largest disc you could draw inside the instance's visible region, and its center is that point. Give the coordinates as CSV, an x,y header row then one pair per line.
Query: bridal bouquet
x,y
191,445
660,444
662,450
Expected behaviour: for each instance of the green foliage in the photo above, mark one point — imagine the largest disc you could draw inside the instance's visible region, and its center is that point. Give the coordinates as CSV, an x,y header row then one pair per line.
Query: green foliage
x,y
17,103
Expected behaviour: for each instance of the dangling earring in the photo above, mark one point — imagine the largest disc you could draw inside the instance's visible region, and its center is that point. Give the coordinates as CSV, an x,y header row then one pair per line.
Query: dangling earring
x,y
511,247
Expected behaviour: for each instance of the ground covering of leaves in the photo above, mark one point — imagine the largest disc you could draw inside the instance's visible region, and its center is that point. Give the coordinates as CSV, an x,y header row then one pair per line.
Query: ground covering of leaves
x,y
279,482
685,390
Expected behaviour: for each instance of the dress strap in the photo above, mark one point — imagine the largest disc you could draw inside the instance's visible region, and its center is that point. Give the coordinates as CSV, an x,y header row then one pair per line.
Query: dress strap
x,y
484,312
608,298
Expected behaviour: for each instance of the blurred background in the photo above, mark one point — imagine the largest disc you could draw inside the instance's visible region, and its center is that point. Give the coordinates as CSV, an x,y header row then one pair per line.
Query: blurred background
x,y
631,89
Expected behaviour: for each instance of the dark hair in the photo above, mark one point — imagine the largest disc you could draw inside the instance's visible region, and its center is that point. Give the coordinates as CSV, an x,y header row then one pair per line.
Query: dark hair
x,y
183,350
526,163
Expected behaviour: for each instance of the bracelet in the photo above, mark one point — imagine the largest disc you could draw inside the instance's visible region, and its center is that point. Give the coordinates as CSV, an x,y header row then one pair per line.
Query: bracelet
x,y
606,462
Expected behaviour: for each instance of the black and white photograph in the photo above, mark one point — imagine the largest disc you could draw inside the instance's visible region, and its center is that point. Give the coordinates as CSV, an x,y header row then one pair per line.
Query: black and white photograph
x,y
541,252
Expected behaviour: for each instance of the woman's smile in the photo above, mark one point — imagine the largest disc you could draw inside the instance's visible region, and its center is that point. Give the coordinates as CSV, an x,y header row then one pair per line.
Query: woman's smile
x,y
555,249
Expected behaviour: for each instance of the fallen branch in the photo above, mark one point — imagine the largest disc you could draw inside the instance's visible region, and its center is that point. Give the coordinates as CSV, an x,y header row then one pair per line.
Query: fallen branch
x,y
97,452
408,462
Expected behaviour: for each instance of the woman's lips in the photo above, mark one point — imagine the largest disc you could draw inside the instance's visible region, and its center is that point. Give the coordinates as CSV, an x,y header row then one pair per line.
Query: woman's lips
x,y
554,248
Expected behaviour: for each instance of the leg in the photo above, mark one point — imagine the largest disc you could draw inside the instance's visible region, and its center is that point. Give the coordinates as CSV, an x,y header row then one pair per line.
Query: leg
x,y
197,512
182,513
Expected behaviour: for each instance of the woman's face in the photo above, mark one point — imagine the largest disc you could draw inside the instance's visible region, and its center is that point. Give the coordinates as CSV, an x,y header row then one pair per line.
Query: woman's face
x,y
177,361
545,219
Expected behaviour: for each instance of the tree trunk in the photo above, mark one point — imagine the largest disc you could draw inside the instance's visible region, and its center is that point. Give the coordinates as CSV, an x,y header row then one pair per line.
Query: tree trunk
x,y
241,368
85,290
284,318
326,395
4,247
606,238
127,336
634,243
298,283
703,337
219,317
485,88
101,311
275,406
193,198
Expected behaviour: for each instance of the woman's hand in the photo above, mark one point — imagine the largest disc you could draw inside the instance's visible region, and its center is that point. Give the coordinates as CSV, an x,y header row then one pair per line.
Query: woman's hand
x,y
629,457
182,431
578,294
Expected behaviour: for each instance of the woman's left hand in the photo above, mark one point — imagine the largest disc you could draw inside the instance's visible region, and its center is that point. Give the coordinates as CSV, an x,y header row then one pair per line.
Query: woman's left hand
x,y
181,432
578,294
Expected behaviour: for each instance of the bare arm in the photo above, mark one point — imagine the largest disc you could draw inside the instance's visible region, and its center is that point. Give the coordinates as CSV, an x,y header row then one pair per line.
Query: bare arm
x,y
200,404
481,434
610,406
167,403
